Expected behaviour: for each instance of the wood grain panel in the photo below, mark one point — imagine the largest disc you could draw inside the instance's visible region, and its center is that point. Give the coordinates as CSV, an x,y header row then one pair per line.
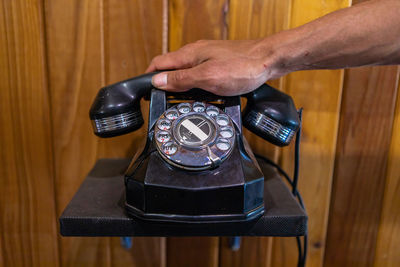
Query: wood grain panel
x,y
132,37
145,251
362,152
74,38
191,20
192,251
319,92
257,18
27,208
388,240
254,251
2,259
386,253
253,20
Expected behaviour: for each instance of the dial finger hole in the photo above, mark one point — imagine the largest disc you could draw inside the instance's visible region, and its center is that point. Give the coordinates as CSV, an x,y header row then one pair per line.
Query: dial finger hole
x,y
226,132
223,144
212,111
184,108
199,107
164,124
222,120
163,136
172,114
170,148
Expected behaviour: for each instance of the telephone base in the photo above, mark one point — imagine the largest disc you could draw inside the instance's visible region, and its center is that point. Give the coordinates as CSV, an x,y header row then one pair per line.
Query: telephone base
x,y
98,209
231,192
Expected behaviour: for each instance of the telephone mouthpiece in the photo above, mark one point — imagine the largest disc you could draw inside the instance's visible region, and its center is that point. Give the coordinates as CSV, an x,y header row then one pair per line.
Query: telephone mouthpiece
x,y
117,124
114,112
116,108
272,115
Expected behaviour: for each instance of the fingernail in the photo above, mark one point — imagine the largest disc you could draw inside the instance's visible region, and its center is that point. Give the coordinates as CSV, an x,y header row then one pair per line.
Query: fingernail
x,y
159,80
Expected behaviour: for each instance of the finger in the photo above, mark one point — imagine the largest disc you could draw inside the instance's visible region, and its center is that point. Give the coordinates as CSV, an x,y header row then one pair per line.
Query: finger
x,y
180,80
183,58
150,68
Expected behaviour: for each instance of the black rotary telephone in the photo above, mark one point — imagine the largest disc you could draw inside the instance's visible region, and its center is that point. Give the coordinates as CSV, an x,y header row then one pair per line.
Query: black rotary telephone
x,y
196,165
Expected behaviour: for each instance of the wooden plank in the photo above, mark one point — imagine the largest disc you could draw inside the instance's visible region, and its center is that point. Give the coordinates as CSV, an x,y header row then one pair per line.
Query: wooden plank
x,y
132,37
27,199
319,92
256,19
191,20
73,32
192,251
2,259
362,151
254,251
145,251
252,20
388,240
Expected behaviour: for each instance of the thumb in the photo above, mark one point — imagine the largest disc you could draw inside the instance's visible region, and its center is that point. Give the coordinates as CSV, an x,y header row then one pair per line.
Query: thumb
x,y
176,81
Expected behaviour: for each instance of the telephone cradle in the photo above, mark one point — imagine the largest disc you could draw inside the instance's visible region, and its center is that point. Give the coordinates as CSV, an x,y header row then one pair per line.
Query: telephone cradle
x,y
196,167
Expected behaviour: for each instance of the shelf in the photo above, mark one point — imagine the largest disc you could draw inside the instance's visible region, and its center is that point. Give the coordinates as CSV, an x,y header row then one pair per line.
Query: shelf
x,y
97,209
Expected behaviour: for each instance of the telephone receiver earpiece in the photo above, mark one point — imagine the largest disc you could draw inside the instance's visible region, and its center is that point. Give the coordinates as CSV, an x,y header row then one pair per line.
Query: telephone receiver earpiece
x,y
116,108
271,114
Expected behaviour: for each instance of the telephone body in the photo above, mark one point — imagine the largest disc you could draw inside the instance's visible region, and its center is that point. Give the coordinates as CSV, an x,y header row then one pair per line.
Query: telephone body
x,y
196,165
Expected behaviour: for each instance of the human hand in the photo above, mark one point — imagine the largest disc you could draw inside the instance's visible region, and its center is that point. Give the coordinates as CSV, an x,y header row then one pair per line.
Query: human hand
x,y
221,67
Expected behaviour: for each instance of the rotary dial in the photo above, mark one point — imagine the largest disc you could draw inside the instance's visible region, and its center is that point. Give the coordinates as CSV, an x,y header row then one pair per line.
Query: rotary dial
x,y
194,136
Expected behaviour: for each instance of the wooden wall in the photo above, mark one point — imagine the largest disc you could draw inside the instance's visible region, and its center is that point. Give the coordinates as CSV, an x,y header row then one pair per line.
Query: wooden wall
x,y
56,54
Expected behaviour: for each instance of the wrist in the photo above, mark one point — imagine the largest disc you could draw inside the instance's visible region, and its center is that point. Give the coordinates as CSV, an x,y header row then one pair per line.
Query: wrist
x,y
282,53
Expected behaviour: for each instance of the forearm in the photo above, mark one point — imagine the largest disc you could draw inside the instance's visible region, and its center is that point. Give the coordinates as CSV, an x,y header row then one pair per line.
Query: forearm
x,y
365,34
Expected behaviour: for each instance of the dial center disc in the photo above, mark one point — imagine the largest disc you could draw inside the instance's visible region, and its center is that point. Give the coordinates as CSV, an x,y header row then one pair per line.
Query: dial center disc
x,y
195,130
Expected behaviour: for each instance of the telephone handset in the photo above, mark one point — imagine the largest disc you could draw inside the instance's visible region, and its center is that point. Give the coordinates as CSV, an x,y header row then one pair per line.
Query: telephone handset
x,y
269,113
194,131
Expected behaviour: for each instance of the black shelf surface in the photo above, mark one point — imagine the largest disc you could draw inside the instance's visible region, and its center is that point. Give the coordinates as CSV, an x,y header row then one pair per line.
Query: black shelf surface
x,y
97,209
